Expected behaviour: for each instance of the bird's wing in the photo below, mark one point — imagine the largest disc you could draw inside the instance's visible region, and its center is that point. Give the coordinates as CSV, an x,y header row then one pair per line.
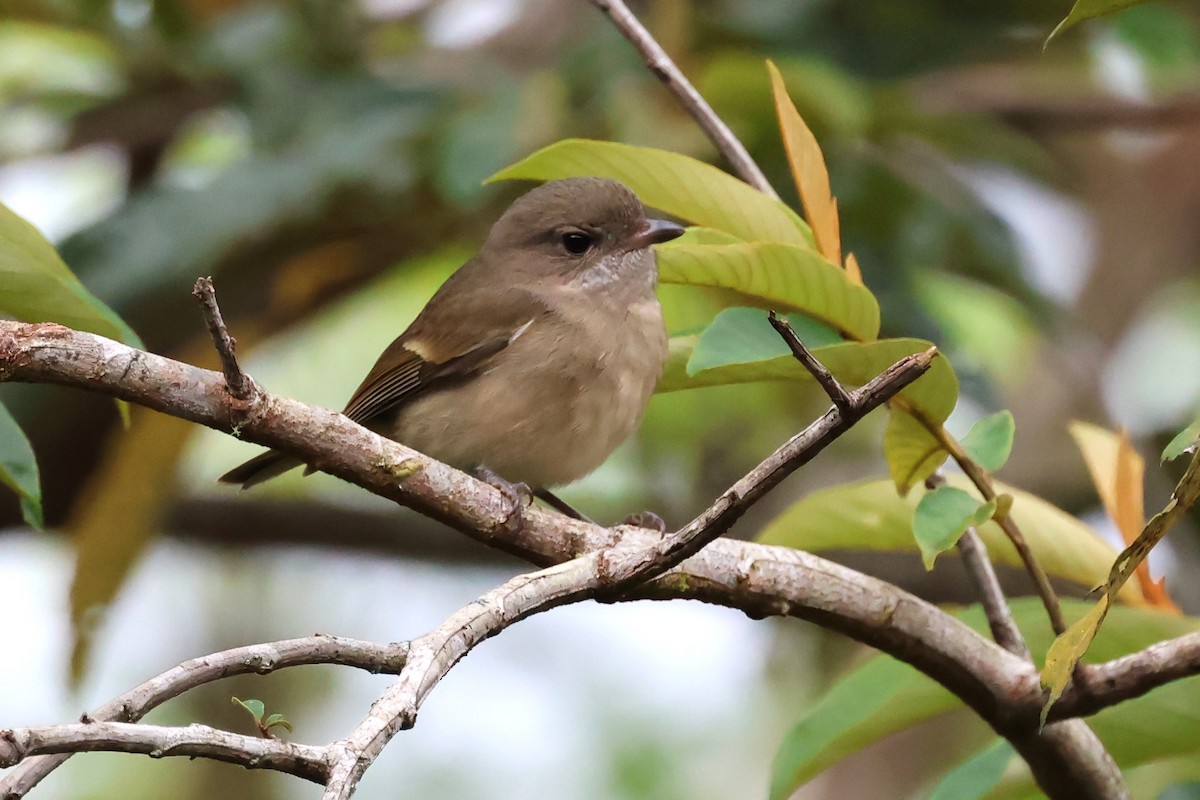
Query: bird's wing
x,y
446,341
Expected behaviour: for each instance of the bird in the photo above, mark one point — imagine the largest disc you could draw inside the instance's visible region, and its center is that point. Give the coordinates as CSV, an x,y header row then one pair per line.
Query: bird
x,y
536,358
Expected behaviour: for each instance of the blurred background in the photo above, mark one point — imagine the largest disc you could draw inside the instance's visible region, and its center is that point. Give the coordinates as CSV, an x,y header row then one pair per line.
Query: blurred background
x,y
1034,213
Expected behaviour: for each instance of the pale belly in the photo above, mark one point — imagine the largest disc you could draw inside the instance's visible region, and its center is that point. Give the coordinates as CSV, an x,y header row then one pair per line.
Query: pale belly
x,y
546,413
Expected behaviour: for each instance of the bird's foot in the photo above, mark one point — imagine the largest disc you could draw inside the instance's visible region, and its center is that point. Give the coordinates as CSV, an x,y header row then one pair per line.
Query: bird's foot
x,y
518,495
646,519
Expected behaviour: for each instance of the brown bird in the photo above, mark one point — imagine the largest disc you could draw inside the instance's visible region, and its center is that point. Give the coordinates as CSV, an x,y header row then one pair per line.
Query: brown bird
x,y
537,357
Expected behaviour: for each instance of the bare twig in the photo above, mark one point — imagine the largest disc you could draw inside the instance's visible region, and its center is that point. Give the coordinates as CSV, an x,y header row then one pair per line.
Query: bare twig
x,y
663,68
238,384
979,567
837,393
156,741
261,659
1041,581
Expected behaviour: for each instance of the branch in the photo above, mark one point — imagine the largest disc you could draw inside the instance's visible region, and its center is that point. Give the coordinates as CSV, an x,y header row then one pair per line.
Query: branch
x,y
835,390
759,580
663,68
1130,676
983,482
259,658
156,741
238,384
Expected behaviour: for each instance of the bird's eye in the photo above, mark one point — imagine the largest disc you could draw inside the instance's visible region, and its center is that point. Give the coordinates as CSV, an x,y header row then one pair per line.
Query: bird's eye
x,y
576,242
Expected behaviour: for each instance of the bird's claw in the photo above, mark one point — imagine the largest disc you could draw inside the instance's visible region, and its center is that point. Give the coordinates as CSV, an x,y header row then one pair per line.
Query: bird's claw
x,y
518,495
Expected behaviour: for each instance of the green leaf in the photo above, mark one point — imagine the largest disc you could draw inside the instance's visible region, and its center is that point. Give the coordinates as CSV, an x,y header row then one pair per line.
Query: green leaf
x,y
941,518
1184,442
1089,9
975,777
911,451
18,468
738,334
779,275
276,720
256,708
36,286
869,515
990,440
884,696
697,235
682,186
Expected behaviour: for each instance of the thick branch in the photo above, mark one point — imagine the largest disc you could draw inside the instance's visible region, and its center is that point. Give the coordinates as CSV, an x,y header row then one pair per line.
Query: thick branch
x,y
663,68
156,741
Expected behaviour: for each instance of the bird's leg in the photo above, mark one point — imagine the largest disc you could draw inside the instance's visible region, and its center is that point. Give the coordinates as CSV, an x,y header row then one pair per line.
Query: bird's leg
x,y
518,496
646,519
642,519
562,506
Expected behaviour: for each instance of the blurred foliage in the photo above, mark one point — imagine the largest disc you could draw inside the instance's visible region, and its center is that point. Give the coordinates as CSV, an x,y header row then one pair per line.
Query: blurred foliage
x,y
325,161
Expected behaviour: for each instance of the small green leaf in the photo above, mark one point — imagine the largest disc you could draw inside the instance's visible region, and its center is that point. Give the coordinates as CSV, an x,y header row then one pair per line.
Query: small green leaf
x,y
975,777
682,186
276,721
942,517
256,708
1089,9
1184,442
740,335
777,275
36,286
990,440
18,468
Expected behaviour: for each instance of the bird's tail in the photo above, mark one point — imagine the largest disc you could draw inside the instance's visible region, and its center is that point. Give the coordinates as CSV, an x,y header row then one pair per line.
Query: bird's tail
x,y
260,468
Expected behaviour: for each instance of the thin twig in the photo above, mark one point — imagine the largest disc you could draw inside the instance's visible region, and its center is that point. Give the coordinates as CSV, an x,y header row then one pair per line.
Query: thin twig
x,y
191,741
837,393
1041,581
982,481
979,567
663,68
131,706
237,383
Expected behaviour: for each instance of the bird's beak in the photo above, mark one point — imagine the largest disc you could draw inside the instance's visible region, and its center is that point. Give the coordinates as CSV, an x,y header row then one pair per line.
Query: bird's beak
x,y
654,231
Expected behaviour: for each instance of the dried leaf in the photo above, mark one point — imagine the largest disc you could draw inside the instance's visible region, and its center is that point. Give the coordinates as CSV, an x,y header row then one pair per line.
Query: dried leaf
x,y
808,169
1117,471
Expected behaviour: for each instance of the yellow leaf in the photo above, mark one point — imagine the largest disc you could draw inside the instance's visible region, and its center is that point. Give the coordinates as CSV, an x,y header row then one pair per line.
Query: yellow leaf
x,y
1067,650
808,169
